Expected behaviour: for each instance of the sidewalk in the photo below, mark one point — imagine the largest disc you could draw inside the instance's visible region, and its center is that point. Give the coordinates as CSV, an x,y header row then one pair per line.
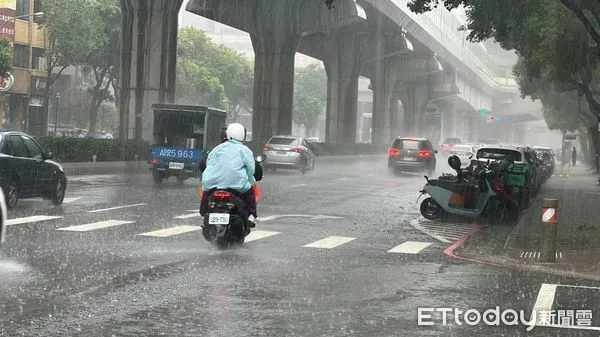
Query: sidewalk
x,y
578,245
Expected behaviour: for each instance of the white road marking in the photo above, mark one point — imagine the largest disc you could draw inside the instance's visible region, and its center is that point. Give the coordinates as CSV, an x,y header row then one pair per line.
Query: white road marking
x,y
95,225
415,224
297,185
188,216
117,207
312,217
545,299
30,219
70,199
341,179
257,235
583,287
166,232
329,242
410,247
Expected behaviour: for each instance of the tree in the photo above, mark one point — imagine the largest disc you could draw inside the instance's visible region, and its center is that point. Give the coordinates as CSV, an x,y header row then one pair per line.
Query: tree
x,y
102,62
210,74
310,96
71,28
5,57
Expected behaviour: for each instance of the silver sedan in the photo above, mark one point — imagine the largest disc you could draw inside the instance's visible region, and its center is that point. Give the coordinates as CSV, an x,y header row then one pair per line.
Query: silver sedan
x,y
288,152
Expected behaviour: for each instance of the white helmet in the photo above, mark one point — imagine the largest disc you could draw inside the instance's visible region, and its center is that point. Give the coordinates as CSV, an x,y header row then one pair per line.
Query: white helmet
x,y
236,131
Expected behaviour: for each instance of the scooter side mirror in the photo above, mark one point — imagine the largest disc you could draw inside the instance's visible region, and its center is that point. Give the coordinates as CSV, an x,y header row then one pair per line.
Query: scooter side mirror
x,y
454,163
260,158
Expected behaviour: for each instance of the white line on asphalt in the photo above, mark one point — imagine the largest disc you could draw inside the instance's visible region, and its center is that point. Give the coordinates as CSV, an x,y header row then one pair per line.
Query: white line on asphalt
x,y
448,231
192,210
70,199
341,179
257,235
297,185
95,225
545,299
410,247
329,242
163,233
29,219
415,224
117,207
584,287
187,216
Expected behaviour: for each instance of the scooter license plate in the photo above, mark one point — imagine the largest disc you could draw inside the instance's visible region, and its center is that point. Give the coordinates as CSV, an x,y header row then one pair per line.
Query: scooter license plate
x,y
218,219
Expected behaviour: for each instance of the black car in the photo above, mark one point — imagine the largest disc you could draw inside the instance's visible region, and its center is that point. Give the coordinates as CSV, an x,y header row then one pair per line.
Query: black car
x,y
412,154
27,171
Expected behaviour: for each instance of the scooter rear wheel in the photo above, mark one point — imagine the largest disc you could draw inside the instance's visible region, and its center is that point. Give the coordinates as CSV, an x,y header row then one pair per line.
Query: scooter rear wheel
x,y
430,209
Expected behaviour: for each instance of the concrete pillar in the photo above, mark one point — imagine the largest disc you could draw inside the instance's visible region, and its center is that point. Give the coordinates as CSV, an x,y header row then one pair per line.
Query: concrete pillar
x,y
275,40
383,90
395,117
148,61
342,64
421,98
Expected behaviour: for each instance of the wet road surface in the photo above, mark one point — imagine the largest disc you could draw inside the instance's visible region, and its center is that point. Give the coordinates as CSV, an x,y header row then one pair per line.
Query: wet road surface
x,y
335,255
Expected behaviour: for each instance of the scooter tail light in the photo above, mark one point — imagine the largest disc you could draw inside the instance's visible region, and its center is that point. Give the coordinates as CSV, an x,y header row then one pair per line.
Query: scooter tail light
x,y
221,195
153,161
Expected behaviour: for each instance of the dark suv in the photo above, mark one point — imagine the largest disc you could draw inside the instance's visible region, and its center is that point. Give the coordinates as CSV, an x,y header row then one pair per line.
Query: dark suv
x,y
26,170
412,154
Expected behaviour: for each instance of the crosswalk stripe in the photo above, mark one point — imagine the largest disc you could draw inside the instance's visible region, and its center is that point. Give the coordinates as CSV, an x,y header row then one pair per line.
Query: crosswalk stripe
x,y
95,225
166,232
329,242
30,219
187,216
257,235
410,247
117,207
545,298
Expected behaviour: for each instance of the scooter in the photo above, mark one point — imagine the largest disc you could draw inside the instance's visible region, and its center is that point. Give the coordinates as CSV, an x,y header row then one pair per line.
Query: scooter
x,y
226,222
479,195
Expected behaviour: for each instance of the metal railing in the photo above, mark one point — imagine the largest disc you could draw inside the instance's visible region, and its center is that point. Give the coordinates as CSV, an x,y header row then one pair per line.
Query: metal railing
x,y
443,26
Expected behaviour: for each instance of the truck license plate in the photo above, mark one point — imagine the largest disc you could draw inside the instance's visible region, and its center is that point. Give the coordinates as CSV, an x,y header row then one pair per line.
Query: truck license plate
x,y
218,219
176,166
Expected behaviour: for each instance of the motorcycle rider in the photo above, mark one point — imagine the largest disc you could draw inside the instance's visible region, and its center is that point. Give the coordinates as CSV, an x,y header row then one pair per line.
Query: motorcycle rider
x,y
231,165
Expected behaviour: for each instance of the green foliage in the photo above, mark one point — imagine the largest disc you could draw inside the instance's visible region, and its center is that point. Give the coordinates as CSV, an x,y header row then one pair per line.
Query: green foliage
x,y
211,74
101,64
82,149
72,30
310,96
5,57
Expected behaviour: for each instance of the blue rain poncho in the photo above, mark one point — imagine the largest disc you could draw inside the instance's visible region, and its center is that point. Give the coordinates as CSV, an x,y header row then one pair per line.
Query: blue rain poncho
x,y
229,165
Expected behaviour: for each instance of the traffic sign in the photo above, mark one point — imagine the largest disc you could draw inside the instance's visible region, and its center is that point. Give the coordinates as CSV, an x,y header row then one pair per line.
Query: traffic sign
x,y
6,82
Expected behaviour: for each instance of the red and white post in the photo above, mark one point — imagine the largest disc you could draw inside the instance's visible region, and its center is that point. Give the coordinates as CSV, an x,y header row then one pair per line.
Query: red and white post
x,y
549,230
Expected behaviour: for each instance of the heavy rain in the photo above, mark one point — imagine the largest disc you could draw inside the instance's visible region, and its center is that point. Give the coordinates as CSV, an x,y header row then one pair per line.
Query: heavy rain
x,y
299,168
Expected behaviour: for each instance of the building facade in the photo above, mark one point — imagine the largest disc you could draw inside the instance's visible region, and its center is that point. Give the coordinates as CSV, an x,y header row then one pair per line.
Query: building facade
x,y
22,105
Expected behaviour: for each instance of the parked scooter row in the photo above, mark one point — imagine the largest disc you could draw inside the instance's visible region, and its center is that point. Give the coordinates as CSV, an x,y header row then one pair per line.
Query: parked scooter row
x,y
477,191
